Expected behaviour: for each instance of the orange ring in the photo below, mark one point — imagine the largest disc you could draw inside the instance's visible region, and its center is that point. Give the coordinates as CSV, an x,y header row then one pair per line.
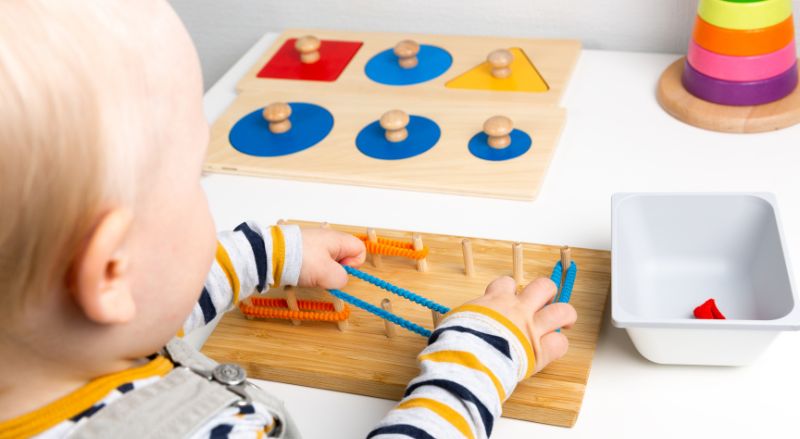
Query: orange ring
x,y
743,42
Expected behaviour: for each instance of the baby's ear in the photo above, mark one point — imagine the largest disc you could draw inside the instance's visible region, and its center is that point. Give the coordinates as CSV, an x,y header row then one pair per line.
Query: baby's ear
x,y
100,278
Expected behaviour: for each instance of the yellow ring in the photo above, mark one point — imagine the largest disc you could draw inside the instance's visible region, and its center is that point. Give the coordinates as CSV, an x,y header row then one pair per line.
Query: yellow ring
x,y
735,15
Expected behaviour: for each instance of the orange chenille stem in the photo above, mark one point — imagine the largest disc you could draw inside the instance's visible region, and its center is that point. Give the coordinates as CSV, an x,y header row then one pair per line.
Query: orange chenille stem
x,y
275,308
393,247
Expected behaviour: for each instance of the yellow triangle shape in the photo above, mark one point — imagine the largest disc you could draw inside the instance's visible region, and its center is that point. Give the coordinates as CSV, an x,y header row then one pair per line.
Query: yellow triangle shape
x,y
524,77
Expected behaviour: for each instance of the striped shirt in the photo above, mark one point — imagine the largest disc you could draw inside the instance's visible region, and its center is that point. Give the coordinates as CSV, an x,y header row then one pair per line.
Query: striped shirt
x,y
472,363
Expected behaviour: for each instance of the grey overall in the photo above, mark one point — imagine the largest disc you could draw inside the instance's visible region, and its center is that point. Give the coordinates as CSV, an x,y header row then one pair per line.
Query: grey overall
x,y
195,391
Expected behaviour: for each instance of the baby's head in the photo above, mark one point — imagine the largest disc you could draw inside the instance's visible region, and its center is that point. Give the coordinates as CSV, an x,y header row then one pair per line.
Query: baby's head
x,y
105,233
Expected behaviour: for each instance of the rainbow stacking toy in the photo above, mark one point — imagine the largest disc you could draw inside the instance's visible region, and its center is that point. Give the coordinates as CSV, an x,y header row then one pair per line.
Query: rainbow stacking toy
x,y
740,73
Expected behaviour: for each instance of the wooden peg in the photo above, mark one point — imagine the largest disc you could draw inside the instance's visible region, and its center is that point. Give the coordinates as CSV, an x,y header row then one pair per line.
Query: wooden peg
x,y
519,275
277,114
308,46
282,222
395,122
372,236
566,261
566,258
498,130
291,300
391,330
437,318
325,225
406,52
422,264
469,264
500,61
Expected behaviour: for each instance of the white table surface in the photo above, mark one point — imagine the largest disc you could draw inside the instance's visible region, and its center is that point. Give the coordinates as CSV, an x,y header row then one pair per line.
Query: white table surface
x,y
617,139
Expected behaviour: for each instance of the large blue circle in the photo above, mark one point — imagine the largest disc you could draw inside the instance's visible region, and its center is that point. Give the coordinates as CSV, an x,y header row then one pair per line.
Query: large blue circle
x,y
384,68
520,144
423,134
310,124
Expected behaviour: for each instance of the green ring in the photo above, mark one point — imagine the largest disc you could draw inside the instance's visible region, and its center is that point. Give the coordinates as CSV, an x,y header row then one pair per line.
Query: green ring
x,y
743,14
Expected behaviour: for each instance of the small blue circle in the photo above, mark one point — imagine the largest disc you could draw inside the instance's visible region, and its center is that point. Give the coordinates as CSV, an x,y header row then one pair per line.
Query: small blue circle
x,y
310,124
384,68
423,134
520,144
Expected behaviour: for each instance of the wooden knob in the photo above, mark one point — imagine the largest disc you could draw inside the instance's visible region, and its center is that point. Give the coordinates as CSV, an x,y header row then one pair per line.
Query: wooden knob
x,y
498,129
308,46
277,114
395,122
500,62
406,52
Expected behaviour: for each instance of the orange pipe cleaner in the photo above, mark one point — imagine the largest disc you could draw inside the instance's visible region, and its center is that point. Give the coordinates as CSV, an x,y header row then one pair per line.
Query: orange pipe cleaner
x,y
310,310
393,247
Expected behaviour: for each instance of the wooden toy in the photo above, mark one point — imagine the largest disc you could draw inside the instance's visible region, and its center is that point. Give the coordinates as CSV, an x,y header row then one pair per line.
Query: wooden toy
x,y
500,62
375,358
406,52
443,83
277,115
728,82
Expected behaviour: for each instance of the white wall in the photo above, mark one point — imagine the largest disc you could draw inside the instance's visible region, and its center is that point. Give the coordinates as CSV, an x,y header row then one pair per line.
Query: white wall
x,y
224,29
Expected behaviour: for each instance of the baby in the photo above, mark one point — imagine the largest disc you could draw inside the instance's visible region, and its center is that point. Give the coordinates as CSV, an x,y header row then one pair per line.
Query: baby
x,y
108,253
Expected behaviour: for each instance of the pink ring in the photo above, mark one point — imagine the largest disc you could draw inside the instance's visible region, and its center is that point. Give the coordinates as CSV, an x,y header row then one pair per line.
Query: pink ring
x,y
741,68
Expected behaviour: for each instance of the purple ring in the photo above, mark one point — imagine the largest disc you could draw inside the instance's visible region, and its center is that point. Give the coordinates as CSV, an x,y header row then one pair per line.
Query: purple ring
x,y
739,93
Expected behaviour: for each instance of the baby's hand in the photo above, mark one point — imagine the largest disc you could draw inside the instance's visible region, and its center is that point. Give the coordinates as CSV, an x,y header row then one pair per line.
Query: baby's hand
x,y
533,313
323,253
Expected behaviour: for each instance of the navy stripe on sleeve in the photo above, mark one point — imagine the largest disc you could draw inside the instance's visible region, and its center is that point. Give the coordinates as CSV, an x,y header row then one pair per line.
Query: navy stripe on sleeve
x,y
404,429
260,253
461,392
207,306
87,413
221,431
496,342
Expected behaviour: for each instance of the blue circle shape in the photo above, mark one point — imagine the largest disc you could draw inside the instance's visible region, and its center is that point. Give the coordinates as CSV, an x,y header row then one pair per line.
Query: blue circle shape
x,y
383,68
310,124
520,144
423,134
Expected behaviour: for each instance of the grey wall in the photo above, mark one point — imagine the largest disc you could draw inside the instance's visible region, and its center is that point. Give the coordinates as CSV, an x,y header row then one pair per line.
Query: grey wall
x,y
224,29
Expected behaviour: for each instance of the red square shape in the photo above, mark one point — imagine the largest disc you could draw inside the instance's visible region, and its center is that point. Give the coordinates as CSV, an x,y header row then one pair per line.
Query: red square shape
x,y
333,58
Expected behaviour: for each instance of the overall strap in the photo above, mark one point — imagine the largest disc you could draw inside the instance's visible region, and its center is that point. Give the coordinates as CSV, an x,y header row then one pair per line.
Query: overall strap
x,y
182,401
174,406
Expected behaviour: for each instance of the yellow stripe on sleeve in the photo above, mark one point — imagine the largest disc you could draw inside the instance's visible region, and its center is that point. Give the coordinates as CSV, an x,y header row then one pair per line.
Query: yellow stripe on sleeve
x,y
225,263
508,324
445,412
466,359
278,254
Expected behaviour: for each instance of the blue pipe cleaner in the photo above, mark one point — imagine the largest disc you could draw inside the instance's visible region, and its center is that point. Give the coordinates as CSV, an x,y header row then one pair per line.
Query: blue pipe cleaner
x,y
380,312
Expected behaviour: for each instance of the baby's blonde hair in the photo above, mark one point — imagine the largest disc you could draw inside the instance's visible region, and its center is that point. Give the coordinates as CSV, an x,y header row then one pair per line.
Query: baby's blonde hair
x,y
69,135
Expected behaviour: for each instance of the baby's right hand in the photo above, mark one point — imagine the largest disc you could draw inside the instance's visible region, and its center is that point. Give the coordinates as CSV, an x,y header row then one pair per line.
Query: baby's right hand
x,y
533,314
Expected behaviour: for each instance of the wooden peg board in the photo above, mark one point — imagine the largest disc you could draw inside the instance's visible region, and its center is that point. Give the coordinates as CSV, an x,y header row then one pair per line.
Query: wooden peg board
x,y
355,101
554,59
364,361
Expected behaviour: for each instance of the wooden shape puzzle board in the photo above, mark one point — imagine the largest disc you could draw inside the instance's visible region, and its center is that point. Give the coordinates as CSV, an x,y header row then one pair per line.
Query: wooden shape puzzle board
x,y
554,59
364,361
355,101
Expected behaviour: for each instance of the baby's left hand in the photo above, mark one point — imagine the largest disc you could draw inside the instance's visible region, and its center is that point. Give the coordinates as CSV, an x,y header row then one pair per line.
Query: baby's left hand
x,y
324,252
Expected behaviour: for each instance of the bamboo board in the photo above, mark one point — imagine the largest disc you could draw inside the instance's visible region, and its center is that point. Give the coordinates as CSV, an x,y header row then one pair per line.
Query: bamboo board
x,y
355,101
362,360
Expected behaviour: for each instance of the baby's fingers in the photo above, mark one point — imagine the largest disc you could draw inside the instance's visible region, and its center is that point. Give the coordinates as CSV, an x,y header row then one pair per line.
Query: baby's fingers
x,y
349,250
554,316
538,293
553,346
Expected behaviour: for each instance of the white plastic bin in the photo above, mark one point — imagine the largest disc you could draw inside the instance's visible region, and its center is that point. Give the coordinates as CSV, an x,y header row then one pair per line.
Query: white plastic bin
x,y
673,251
